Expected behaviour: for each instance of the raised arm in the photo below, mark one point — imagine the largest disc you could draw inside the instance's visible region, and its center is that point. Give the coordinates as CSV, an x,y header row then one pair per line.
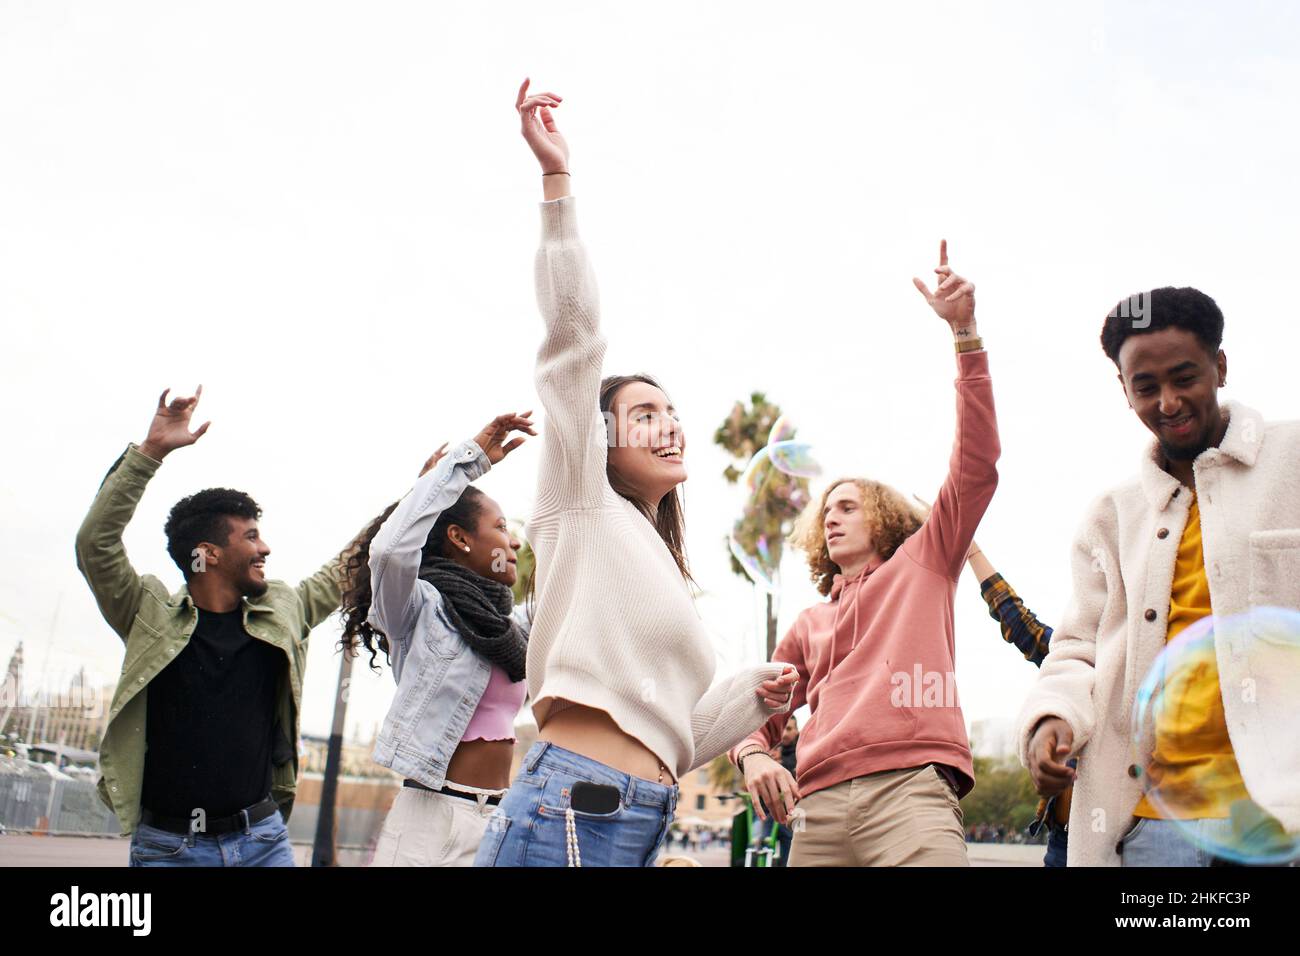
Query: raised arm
x,y
397,549
1019,625
942,542
321,593
101,556
575,444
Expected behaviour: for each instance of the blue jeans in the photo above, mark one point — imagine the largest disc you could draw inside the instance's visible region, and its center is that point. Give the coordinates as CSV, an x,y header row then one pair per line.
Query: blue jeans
x,y
265,843
529,828
1057,846
1154,842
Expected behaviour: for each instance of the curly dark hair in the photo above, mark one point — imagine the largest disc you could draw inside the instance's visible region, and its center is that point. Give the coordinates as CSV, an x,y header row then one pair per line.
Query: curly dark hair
x,y
202,517
357,631
1163,308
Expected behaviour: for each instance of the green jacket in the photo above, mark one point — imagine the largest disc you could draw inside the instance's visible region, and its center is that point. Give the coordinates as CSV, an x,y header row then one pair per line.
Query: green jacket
x,y
157,625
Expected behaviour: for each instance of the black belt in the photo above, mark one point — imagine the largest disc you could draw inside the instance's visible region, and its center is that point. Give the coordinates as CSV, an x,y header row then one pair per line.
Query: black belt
x,y
416,785
236,821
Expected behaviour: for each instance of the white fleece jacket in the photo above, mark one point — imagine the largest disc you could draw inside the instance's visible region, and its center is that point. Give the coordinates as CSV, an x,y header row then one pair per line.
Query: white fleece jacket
x,y
1249,494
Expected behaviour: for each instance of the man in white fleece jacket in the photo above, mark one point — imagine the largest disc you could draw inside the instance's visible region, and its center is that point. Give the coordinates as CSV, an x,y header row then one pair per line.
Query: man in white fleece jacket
x,y
1211,526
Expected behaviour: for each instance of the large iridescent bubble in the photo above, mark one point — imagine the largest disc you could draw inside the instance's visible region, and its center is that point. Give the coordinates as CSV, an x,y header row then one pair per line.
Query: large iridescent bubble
x,y
1236,799
782,455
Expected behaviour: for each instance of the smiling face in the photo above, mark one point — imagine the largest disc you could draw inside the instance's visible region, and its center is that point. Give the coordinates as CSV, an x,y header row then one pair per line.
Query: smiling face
x,y
847,534
647,450
493,549
241,560
1172,382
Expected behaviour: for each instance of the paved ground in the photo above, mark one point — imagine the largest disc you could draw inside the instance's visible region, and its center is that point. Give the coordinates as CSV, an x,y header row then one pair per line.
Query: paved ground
x,y
18,850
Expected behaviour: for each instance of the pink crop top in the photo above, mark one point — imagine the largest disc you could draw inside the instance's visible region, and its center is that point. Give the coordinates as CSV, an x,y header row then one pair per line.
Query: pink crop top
x,y
495,717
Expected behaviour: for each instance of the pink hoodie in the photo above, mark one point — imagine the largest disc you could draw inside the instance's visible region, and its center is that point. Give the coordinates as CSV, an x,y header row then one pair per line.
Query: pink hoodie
x,y
876,661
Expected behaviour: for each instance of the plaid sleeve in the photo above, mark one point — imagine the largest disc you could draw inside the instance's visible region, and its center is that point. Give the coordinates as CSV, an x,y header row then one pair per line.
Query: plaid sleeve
x,y
1020,626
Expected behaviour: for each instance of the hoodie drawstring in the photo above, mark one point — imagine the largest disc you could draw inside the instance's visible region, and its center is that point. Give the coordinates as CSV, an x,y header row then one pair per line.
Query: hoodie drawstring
x,y
835,626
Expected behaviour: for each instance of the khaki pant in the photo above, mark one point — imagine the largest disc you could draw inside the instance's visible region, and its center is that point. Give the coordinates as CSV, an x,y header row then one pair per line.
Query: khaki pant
x,y
893,818
431,829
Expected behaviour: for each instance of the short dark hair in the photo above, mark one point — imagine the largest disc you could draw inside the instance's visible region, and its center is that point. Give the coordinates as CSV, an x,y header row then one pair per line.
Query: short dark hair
x,y
1163,308
202,517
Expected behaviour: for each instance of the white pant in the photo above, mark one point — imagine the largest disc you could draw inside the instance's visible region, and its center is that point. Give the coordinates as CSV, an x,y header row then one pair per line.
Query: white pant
x,y
424,828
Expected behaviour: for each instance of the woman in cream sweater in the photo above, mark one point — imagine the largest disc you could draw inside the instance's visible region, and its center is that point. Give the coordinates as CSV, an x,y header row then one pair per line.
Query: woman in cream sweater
x,y
620,666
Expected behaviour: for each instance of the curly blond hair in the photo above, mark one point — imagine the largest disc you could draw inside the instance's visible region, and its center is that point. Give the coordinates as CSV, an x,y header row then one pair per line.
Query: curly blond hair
x,y
889,516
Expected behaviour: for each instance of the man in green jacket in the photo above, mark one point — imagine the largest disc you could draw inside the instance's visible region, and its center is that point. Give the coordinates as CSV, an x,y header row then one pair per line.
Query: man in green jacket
x,y
199,760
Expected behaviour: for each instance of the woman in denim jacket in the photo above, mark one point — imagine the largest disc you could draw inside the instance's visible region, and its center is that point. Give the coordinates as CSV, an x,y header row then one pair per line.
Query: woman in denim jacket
x,y
430,585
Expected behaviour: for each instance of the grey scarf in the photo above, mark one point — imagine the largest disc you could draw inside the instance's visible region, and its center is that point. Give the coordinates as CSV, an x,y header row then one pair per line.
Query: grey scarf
x,y
479,609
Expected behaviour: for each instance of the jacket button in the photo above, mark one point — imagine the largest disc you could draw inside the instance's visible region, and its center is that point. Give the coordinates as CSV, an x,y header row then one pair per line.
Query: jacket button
x,y
140,681
1162,533
1150,615
1134,771
1176,490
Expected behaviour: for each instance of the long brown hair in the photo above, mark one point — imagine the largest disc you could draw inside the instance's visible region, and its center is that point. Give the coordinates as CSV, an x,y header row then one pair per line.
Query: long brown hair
x,y
891,518
669,518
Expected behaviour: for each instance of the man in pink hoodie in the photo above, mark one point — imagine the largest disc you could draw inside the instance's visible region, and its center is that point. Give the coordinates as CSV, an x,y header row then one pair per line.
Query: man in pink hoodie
x,y
885,758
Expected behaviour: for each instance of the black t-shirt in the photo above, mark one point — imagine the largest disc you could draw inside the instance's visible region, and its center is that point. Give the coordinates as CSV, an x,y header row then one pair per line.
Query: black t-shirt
x,y
210,720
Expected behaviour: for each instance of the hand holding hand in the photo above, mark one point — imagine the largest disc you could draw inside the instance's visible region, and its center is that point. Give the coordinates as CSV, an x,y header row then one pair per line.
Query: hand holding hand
x,y
776,693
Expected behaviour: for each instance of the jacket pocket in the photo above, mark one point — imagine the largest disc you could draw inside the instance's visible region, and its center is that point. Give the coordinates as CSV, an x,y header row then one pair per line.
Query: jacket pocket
x,y
1275,568
441,638
142,639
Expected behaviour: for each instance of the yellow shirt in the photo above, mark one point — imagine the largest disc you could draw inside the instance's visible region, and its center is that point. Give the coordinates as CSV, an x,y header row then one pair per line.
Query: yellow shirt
x,y
1193,770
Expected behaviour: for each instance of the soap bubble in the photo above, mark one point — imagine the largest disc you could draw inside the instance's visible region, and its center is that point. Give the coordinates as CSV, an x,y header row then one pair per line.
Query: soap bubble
x,y
1188,768
772,501
756,560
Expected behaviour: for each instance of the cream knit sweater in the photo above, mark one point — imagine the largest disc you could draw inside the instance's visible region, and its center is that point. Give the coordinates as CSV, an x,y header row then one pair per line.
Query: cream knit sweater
x,y
615,627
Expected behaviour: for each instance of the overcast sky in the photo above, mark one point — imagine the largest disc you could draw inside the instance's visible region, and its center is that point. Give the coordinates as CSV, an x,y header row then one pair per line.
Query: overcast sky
x,y
325,214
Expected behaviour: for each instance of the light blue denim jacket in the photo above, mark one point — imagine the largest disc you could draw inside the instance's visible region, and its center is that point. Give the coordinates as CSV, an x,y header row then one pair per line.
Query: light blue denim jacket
x,y
440,680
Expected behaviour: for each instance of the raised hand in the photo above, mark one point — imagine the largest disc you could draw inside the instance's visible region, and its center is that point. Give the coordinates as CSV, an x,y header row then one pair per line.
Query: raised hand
x,y
492,439
170,428
540,131
438,454
954,299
